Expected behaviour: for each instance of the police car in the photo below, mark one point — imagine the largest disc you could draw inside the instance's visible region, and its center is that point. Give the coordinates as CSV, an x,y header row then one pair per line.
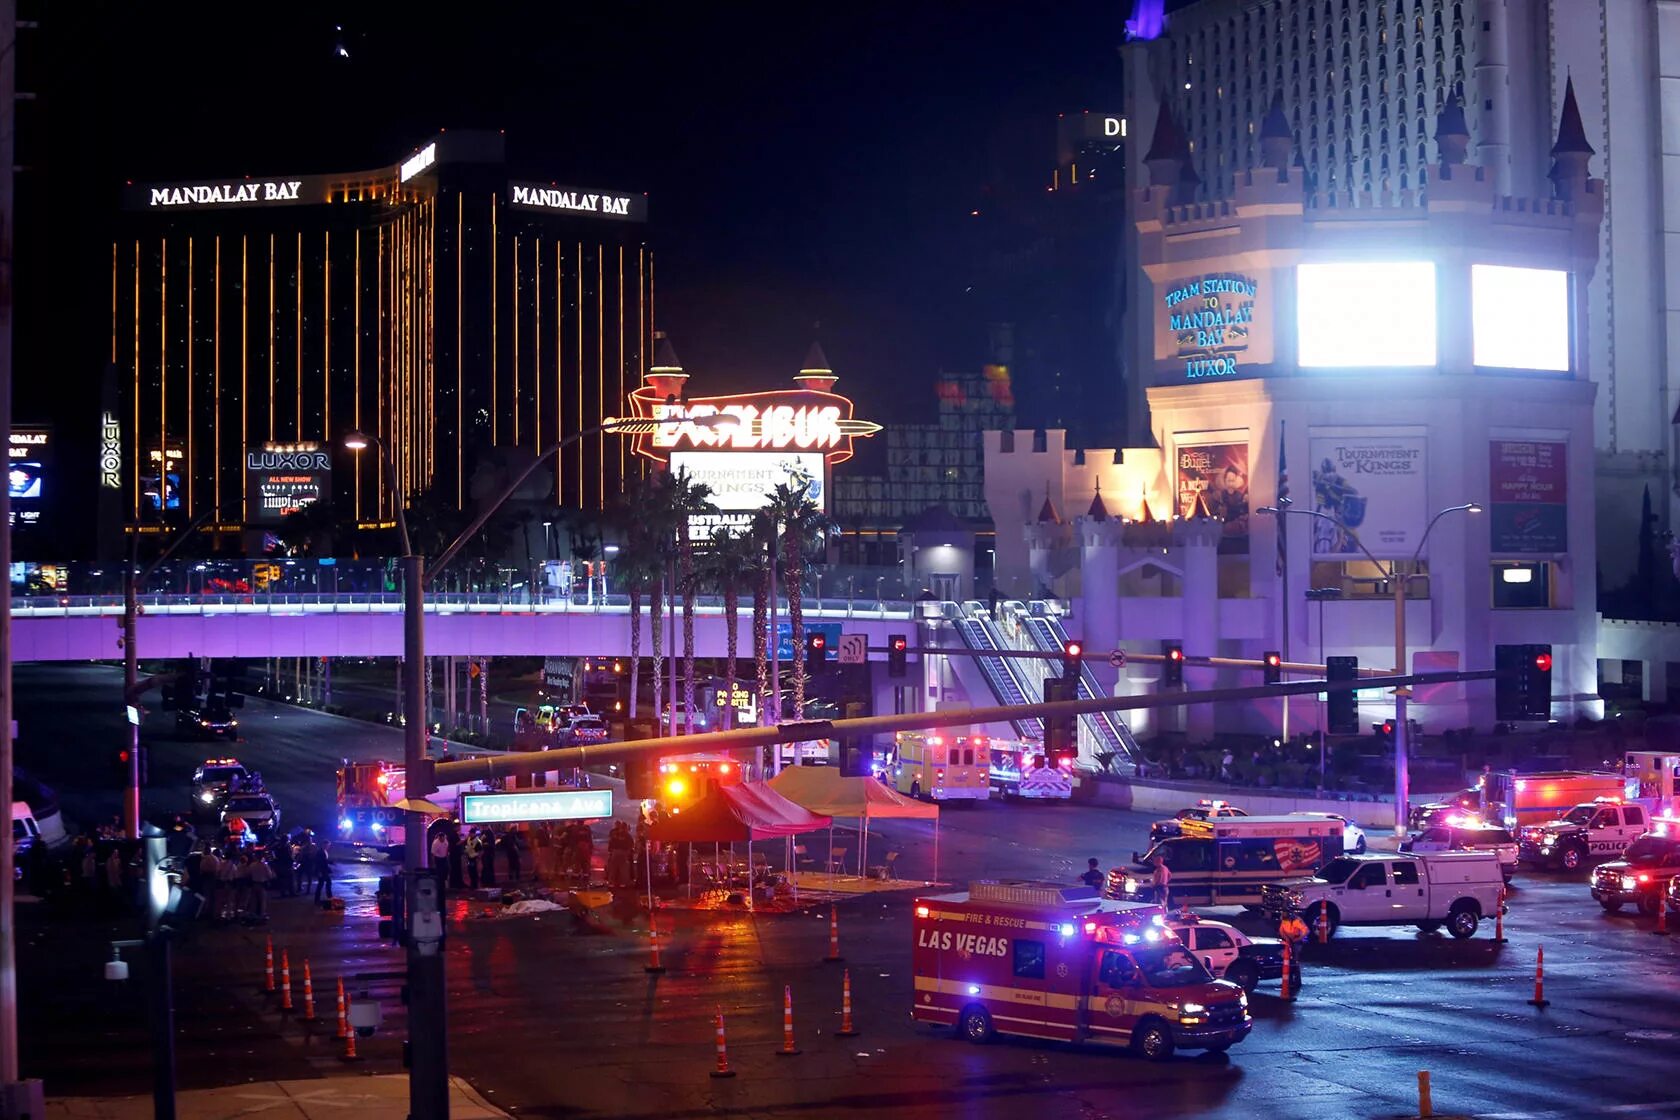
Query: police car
x,y
213,779
1230,954
1204,810
251,814
1591,832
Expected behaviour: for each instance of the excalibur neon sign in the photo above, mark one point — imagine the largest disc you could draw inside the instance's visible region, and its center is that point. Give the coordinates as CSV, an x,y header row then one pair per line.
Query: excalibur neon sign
x,y
777,420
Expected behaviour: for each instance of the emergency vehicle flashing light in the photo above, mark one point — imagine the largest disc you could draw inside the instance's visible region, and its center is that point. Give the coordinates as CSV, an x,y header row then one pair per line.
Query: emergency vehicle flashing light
x,y
675,787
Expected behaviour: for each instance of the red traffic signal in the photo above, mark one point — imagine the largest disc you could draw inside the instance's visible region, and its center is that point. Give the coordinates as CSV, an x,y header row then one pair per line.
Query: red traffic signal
x,y
1072,649
1175,654
1273,661
899,643
1388,727
819,641
1543,662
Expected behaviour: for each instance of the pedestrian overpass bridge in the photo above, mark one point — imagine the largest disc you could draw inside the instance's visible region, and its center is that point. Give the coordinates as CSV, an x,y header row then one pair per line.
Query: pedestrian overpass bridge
x,y
87,628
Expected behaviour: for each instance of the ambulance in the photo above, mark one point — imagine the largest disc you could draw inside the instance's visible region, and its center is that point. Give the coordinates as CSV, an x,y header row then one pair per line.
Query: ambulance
x,y
934,768
1047,961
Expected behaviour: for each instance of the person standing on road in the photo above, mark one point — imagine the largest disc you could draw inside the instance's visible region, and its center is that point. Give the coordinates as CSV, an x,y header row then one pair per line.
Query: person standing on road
x,y
227,890
487,858
510,847
440,849
619,845
456,847
262,873
323,870
306,862
1162,880
1093,876
470,851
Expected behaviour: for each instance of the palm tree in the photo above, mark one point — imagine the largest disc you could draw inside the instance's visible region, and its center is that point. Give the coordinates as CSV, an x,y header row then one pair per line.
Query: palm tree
x,y
644,518
687,499
803,528
729,567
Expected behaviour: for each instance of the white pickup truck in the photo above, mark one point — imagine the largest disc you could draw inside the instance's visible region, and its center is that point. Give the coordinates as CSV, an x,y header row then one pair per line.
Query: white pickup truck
x,y
1452,889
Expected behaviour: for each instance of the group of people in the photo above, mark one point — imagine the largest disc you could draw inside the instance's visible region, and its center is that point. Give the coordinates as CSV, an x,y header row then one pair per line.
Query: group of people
x,y
470,858
236,880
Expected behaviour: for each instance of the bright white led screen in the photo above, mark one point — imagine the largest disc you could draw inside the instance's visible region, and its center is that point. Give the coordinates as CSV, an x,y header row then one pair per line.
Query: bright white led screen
x,y
1520,317
1365,313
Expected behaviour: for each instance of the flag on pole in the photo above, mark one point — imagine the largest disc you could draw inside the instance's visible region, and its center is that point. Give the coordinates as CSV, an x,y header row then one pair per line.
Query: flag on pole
x,y
1282,501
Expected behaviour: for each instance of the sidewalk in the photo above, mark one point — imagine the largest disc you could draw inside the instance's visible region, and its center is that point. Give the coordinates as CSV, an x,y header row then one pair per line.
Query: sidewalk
x,y
382,1097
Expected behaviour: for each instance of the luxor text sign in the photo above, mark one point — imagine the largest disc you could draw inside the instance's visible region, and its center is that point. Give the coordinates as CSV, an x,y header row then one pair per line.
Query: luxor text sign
x,y
540,805
282,480
1207,323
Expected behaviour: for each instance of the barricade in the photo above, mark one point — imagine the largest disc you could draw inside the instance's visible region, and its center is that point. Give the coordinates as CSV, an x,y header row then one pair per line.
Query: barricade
x,y
788,1049
846,1029
722,1069
1539,999
833,935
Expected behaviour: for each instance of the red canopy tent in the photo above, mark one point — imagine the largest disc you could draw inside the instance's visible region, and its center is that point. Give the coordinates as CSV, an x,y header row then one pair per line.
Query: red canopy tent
x,y
746,812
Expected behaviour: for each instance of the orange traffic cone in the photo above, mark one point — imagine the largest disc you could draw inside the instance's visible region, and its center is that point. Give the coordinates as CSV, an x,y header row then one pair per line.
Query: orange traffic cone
x,y
1287,969
349,1054
722,1069
834,934
343,1015
308,993
1499,919
1540,999
1662,916
285,980
1322,925
653,964
846,1029
268,966
788,1049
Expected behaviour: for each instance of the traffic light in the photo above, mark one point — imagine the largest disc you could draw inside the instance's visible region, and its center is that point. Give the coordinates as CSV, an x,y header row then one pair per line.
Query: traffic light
x,y
1061,736
816,652
1273,661
898,649
1342,713
1071,653
388,897
1523,691
121,764
1172,669
1384,730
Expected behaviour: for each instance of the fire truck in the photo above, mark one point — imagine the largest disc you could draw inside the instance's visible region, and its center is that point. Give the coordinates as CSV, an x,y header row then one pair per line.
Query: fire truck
x,y
1053,962
686,778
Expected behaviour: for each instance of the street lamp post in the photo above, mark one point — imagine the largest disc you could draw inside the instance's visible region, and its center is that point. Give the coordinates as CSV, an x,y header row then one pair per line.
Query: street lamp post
x,y
1397,581
428,1038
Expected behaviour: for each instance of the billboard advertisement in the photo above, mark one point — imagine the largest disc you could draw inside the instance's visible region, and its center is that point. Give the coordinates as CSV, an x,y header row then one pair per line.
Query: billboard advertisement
x,y
741,481
1216,474
1520,317
27,456
1374,487
1362,314
282,479
1528,492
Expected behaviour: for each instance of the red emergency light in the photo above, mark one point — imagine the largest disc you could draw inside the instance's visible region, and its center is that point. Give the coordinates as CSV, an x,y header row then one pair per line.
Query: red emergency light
x,y
1072,649
1175,654
1543,662
900,645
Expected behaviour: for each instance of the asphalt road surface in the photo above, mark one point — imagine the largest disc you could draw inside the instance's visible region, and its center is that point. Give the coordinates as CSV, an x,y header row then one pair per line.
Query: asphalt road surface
x,y
550,1020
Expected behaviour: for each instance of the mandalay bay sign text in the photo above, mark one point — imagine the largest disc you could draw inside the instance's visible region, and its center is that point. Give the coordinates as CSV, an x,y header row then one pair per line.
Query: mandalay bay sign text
x,y
572,200
1209,322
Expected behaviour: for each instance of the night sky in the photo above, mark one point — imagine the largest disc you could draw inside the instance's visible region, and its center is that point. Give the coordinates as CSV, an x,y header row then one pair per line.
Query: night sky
x,y
806,164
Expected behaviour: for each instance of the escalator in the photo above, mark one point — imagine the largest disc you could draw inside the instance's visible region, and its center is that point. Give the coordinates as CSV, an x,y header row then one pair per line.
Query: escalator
x,y
1107,730
978,634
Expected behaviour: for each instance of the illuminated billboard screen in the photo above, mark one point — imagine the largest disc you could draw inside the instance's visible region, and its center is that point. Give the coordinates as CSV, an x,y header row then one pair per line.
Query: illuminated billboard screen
x,y
282,480
1520,317
741,481
1363,314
